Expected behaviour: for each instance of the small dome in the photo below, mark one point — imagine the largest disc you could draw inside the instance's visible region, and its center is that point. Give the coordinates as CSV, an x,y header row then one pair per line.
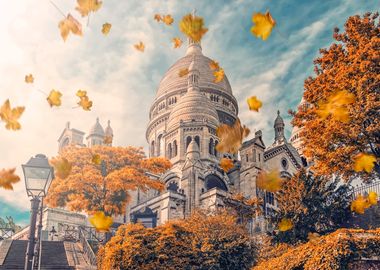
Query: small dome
x,y
96,129
109,131
192,150
279,120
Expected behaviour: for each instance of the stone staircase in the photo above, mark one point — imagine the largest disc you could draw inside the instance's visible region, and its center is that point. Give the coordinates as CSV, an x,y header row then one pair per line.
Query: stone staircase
x,y
55,255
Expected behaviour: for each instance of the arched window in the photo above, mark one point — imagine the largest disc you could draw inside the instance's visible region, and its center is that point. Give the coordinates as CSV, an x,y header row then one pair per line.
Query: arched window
x,y
170,153
215,152
197,140
152,149
254,155
211,147
174,148
246,157
188,140
213,181
160,146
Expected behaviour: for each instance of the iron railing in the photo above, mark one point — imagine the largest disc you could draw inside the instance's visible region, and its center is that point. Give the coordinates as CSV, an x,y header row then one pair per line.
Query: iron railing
x,y
87,249
364,189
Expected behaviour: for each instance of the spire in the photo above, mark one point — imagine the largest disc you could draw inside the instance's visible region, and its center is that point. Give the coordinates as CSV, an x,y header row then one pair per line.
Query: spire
x,y
193,76
193,47
109,131
279,125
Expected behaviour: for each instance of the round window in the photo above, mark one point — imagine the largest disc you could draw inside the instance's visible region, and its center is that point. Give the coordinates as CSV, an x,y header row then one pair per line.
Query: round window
x,y
284,163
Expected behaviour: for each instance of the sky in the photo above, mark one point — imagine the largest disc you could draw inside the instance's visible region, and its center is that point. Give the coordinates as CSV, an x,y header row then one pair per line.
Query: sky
x,y
122,81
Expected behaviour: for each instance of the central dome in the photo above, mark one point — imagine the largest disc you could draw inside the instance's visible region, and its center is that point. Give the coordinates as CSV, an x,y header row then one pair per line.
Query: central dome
x,y
172,82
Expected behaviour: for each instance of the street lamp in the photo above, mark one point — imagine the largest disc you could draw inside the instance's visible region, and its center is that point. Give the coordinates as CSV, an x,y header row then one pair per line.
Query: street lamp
x,y
38,176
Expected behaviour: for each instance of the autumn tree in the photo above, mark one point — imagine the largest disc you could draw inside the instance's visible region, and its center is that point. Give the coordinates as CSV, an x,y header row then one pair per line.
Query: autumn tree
x,y
313,205
342,118
198,242
100,178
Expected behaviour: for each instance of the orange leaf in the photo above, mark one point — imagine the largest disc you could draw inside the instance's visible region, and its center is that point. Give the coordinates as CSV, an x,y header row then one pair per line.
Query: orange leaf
x,y
372,198
168,19
254,104
226,164
214,65
86,6
62,167
264,24
84,102
177,42
219,75
231,137
140,46
96,159
364,162
54,98
336,106
29,78
8,178
183,72
70,24
157,17
11,116
269,181
106,28
285,225
360,204
193,27
101,222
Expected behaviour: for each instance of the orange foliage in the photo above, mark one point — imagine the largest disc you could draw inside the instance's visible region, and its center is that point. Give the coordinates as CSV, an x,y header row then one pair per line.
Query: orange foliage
x,y
350,65
200,241
85,189
330,252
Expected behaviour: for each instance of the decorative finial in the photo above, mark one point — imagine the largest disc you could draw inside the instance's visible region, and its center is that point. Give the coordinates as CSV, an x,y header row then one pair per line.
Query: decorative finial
x,y
194,12
278,112
109,123
97,119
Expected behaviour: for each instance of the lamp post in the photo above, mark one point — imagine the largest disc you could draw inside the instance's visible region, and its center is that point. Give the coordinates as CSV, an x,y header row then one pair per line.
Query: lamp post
x,y
38,176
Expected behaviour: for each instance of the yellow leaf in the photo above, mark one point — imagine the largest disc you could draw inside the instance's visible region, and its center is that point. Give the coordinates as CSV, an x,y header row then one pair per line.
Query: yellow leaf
x,y
193,27
264,24
360,204
96,159
8,178
372,198
285,225
269,181
183,72
157,17
62,167
106,28
219,75
177,42
214,65
140,46
85,103
226,164
81,93
101,222
254,104
364,162
11,116
54,98
70,24
231,137
107,139
168,19
29,78
336,106
86,6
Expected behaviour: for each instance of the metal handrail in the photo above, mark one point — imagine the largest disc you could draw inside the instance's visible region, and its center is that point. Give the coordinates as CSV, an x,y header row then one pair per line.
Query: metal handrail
x,y
365,189
87,250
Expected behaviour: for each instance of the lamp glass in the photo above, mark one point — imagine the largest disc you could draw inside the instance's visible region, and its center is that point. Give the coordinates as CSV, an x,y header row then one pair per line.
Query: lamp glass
x,y
37,180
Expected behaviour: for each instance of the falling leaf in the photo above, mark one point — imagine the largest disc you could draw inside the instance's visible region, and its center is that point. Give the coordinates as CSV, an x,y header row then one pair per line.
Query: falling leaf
x,y
62,167
183,72
219,75
70,24
107,139
86,6
254,104
84,101
226,164
285,225
231,137
10,116
269,181
364,162
29,78
54,98
264,24
96,159
360,204
372,198
106,28
101,222
167,19
177,42
140,46
214,65
193,27
8,178
157,17
336,106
